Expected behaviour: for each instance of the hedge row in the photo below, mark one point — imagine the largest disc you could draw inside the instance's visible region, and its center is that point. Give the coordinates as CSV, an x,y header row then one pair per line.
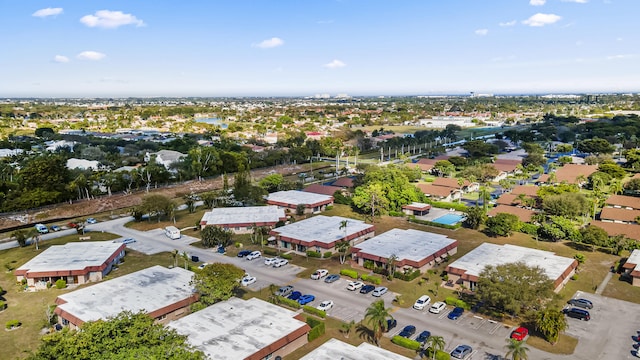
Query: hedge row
x,y
316,331
350,273
313,254
327,254
290,303
406,343
372,279
314,311
447,205
270,251
407,277
435,224
286,256
450,300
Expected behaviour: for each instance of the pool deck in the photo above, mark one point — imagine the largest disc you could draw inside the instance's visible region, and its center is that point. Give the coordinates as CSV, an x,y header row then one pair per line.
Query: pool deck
x,y
435,213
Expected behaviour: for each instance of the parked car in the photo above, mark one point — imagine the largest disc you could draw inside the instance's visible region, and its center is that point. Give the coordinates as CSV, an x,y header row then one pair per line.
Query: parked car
x,y
319,274
408,331
72,225
270,261
437,307
248,280
367,289
355,285
253,255
305,299
520,333
455,313
325,305
332,278
379,291
461,351
423,336
581,303
577,313
391,323
294,295
91,221
126,241
280,263
243,253
41,228
285,290
55,228
201,266
422,301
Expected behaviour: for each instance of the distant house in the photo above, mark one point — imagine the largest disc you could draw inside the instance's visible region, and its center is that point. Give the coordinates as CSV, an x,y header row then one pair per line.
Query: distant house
x,y
528,190
313,203
165,157
570,173
425,165
508,199
10,152
82,164
440,193
507,165
320,233
619,215
631,231
343,182
322,189
165,294
622,201
632,267
466,270
413,249
467,186
523,214
242,220
416,209
75,263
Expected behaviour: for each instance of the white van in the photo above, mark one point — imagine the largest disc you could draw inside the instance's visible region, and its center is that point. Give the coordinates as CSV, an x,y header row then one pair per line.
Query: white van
x,y
172,232
41,228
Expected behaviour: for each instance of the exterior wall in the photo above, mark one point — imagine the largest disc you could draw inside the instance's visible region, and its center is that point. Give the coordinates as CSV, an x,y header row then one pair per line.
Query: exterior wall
x,y
635,281
566,279
290,347
174,315
283,244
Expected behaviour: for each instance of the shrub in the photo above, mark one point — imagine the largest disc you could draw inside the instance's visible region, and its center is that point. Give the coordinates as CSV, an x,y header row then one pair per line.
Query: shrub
x,y
311,310
406,343
316,331
13,324
329,207
61,284
462,304
368,264
327,254
447,205
372,279
440,355
396,213
350,273
574,277
529,229
3,305
1,290
579,257
290,303
407,276
286,256
238,244
270,252
313,254
340,198
450,300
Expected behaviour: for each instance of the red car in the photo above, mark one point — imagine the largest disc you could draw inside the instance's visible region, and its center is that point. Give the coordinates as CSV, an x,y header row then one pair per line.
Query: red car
x,y
520,333
72,225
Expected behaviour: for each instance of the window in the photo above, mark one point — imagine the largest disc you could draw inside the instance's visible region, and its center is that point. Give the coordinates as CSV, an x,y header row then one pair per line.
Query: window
x,y
162,317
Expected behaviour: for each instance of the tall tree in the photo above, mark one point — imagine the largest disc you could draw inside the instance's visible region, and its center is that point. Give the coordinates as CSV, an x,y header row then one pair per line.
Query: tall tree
x,y
376,316
435,343
551,322
516,350
217,282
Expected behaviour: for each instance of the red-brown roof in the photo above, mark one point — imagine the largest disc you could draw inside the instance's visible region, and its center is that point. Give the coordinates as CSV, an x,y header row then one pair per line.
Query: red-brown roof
x,y
427,161
627,215
570,172
624,201
433,190
322,189
449,182
529,190
423,167
343,182
417,207
523,214
505,167
631,231
508,199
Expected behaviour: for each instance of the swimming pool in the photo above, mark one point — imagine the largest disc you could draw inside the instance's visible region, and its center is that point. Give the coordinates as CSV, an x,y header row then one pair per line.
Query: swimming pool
x,y
449,219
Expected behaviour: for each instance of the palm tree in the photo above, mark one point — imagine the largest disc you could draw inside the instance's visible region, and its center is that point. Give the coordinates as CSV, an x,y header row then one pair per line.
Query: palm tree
x,y
185,257
343,248
174,256
516,350
391,266
347,328
615,186
435,343
485,195
376,316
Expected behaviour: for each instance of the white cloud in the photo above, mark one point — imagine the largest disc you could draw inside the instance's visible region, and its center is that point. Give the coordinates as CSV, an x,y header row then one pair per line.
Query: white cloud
x,y
540,19
576,1
269,43
482,32
110,19
335,64
621,56
61,59
91,55
537,2
42,13
508,23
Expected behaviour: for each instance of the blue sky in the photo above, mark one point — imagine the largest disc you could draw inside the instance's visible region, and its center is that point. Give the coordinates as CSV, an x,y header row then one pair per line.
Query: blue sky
x,y
305,47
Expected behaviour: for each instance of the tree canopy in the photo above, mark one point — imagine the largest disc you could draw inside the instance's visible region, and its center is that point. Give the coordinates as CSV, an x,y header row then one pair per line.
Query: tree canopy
x,y
502,224
387,188
125,336
217,282
570,205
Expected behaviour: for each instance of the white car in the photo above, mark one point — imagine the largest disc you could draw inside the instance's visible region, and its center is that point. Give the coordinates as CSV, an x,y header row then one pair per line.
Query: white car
x,y
281,262
91,221
270,261
325,305
254,255
248,280
437,307
201,266
379,291
422,301
319,274
355,285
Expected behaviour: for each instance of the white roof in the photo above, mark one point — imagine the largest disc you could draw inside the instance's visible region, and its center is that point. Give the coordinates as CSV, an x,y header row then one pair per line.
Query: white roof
x,y
149,289
236,328
10,152
335,349
296,197
414,245
324,229
491,254
243,215
634,258
83,164
72,256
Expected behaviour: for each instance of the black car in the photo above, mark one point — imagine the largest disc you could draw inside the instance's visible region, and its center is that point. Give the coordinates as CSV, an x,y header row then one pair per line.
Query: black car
x,y
391,323
578,314
581,303
408,331
331,278
423,336
367,289
244,253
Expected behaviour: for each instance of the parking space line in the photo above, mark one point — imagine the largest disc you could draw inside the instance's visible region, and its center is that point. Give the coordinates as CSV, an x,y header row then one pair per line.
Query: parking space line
x,y
495,328
480,324
444,314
